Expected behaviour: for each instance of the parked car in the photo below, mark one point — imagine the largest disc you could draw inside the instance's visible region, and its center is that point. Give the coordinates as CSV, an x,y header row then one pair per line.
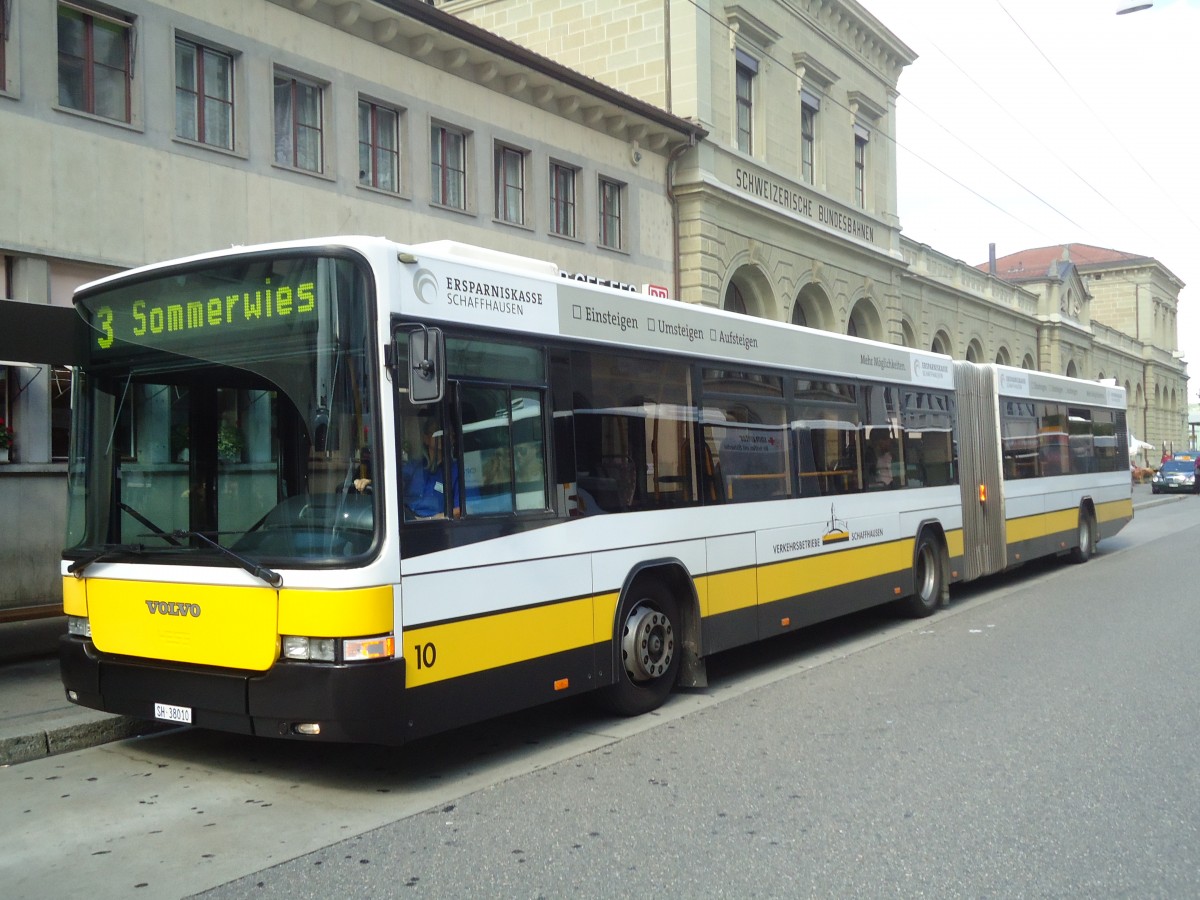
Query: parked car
x,y
1175,475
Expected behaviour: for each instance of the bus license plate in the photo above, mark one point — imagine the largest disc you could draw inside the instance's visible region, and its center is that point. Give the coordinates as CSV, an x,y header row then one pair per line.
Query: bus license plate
x,y
169,713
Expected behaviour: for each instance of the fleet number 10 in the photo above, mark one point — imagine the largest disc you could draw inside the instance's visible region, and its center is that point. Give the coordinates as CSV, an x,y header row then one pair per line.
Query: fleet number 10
x,y
426,655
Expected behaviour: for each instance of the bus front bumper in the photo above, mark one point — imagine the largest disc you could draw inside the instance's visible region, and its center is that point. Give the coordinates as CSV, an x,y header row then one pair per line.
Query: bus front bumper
x,y
358,703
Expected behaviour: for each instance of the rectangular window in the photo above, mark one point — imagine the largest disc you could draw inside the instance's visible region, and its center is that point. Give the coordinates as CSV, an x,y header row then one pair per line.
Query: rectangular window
x,y
827,425
1104,434
503,449
860,166
611,213
299,123
747,69
60,413
203,94
1019,438
510,184
746,443
1080,441
809,106
562,200
496,463
448,167
1053,451
928,419
378,146
634,423
94,63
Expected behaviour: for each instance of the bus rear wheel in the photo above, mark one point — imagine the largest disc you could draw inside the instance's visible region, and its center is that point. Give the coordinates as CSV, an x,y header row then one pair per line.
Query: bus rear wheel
x,y
647,651
1086,538
927,579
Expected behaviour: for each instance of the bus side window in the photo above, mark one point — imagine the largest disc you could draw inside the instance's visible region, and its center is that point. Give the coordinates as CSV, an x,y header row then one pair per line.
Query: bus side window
x,y
503,450
806,461
529,450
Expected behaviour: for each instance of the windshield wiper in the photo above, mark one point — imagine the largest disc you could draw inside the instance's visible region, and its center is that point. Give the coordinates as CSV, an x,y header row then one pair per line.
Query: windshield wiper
x,y
270,576
144,521
76,568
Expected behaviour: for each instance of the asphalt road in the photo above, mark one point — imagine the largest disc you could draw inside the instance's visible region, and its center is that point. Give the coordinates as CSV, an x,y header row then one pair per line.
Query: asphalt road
x,y
1034,740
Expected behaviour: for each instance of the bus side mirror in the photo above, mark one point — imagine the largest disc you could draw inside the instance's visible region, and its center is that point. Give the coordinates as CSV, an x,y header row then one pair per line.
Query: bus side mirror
x,y
426,365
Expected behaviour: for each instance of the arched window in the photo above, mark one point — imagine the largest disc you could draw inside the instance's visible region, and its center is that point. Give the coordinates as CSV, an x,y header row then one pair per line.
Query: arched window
x,y
734,301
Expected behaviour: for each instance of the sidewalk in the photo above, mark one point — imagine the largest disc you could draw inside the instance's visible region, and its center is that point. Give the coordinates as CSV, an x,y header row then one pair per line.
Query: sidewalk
x,y
37,720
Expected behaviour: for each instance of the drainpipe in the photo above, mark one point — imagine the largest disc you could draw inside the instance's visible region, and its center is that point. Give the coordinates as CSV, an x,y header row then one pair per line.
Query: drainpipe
x,y
667,52
671,198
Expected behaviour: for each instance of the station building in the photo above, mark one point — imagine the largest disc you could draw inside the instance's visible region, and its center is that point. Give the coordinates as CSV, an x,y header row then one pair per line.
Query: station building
x,y
742,155
141,130
788,209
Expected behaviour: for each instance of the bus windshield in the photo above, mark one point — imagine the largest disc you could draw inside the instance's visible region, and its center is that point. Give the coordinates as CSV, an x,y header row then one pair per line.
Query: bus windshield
x,y
232,403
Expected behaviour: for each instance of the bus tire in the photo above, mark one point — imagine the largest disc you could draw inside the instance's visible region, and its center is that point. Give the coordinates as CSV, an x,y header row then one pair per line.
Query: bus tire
x,y
928,578
647,651
1086,537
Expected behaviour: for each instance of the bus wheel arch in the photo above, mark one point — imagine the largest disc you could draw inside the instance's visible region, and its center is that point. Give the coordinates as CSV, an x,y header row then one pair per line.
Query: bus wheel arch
x,y
1087,533
655,639
931,581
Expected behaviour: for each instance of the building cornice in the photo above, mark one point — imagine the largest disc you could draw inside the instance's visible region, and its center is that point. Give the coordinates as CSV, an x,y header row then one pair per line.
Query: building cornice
x,y
435,38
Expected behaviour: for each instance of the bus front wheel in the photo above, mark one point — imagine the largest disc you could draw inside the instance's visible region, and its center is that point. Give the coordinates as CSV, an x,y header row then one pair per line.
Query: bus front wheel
x,y
647,651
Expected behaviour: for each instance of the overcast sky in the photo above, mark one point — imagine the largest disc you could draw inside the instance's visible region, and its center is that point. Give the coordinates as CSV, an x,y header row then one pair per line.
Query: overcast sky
x,y
1027,123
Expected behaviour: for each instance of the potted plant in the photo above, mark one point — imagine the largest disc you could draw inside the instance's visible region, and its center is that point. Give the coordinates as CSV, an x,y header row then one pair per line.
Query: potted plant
x,y
230,443
6,440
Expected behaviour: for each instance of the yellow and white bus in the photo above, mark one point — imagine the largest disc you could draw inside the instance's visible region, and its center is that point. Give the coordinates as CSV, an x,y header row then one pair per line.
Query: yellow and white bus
x,y
347,489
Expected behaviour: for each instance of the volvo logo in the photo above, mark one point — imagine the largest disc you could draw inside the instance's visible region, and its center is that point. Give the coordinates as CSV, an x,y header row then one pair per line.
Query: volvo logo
x,y
163,608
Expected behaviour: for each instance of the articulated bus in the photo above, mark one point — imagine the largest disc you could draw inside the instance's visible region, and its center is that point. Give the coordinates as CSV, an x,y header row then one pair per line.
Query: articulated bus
x,y
351,490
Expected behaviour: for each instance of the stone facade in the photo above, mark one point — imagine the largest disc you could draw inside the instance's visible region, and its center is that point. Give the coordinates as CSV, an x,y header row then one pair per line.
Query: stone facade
x,y
814,237
765,225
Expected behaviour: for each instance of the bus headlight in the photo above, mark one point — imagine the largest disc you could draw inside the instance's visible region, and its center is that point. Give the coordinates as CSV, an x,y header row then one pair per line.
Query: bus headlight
x,y
79,626
297,647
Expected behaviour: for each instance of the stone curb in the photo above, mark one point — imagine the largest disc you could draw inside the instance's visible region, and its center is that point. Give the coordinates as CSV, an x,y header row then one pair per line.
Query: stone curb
x,y
65,738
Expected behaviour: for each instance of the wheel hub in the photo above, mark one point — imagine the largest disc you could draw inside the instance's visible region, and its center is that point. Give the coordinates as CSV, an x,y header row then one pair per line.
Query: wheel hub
x,y
648,644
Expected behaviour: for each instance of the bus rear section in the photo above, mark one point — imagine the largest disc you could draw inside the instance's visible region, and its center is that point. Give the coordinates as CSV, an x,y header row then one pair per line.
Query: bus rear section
x,y
1044,463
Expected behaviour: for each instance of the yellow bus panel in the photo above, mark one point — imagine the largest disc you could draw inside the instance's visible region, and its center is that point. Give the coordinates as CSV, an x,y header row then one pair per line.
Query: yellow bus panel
x,y
453,649
800,576
730,591
350,613
1029,528
1116,509
74,592
206,624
